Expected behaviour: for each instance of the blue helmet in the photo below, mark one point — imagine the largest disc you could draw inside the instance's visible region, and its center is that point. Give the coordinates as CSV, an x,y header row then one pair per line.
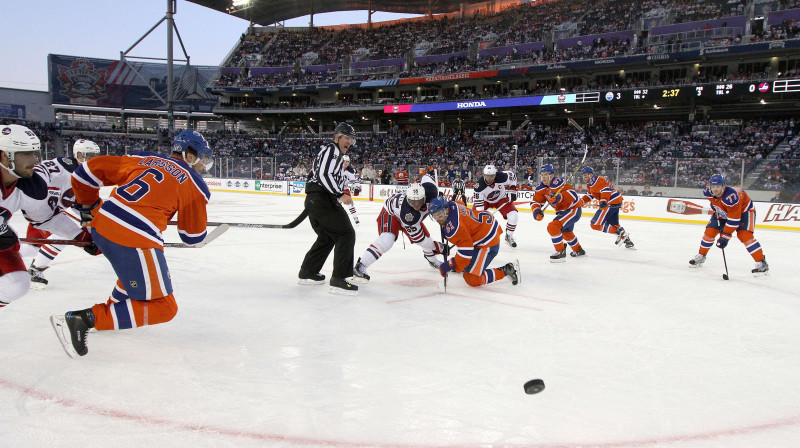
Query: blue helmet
x,y
438,204
547,168
193,139
717,179
587,170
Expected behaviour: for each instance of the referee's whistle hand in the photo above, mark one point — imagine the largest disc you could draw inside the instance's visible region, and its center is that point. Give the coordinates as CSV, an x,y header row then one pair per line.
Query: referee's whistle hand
x,y
346,199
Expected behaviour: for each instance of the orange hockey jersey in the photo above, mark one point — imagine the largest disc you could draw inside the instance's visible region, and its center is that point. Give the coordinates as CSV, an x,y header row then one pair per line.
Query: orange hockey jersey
x,y
468,229
150,189
566,198
733,203
601,189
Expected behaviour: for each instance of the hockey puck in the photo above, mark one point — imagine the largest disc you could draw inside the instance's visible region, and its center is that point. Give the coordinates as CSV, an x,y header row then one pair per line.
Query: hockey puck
x,y
534,386
725,277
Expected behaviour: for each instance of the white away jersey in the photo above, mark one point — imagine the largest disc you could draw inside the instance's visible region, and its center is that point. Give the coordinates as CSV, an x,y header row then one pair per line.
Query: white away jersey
x,y
496,192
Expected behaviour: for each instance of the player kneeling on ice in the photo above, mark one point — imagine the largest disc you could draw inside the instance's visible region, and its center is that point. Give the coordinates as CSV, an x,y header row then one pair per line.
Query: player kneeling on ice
x,y
404,212
733,211
606,219
476,236
565,202
493,191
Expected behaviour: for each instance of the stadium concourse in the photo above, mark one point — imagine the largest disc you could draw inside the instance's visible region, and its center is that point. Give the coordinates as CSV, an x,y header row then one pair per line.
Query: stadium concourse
x,y
635,348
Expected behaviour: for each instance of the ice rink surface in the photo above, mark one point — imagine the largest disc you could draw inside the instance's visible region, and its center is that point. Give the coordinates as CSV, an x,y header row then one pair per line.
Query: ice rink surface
x,y
636,349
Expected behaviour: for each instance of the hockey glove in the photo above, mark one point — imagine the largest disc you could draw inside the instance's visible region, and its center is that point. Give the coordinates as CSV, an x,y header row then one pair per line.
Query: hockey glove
x,y
538,214
92,248
554,199
723,239
86,212
445,267
8,239
585,200
603,203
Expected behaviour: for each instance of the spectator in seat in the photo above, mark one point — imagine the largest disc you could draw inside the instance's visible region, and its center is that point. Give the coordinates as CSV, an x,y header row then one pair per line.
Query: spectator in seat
x,y
632,191
647,191
386,177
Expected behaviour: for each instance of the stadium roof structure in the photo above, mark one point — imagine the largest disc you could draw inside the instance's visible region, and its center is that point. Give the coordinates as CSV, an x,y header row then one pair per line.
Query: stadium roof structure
x,y
266,12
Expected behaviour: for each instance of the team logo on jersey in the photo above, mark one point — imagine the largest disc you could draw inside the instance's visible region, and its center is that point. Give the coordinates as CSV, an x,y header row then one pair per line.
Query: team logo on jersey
x,y
409,217
82,81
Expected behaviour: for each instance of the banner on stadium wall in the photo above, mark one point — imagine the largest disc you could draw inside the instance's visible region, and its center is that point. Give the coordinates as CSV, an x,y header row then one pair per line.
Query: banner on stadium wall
x,y
110,83
12,111
769,215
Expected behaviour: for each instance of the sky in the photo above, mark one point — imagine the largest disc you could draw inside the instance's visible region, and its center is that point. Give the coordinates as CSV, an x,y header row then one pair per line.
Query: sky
x,y
32,29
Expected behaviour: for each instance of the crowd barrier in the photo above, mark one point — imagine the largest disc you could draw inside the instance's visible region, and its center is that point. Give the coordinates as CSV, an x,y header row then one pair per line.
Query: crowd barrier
x,y
769,215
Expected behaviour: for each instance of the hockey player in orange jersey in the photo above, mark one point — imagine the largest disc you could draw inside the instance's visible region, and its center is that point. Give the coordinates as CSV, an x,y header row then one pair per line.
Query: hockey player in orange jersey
x,y
567,205
733,212
606,219
476,236
127,227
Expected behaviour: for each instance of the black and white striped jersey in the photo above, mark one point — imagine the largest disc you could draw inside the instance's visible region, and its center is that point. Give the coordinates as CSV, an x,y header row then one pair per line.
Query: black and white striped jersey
x,y
327,170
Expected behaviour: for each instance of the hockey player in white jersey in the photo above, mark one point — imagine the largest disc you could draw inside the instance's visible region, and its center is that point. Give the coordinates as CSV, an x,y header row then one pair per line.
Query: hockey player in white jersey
x,y
352,185
58,175
22,189
403,212
493,191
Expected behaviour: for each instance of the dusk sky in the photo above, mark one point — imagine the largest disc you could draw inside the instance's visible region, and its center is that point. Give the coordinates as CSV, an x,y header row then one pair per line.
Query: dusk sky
x,y
102,29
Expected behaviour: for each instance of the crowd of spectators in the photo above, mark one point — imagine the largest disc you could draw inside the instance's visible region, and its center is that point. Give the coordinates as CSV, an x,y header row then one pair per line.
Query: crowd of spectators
x,y
516,25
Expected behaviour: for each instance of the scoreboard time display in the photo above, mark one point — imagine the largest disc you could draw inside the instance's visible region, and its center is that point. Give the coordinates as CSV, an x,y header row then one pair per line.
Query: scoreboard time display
x,y
760,89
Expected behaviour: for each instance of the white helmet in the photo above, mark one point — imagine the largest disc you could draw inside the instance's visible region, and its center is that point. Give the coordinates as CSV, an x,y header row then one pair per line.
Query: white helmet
x,y
15,138
85,147
415,195
490,170
346,158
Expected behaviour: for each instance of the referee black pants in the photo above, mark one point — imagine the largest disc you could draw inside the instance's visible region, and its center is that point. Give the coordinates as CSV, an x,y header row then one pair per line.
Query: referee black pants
x,y
334,232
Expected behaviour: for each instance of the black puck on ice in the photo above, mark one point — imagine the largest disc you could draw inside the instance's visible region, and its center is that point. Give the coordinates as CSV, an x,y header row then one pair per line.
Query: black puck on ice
x,y
534,386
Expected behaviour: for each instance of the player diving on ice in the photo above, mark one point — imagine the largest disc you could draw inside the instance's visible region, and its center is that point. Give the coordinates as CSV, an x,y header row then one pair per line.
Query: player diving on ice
x,y
476,236
491,193
403,212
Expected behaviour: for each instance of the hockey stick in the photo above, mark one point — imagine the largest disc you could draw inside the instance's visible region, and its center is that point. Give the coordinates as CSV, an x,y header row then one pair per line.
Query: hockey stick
x,y
291,225
214,234
574,124
446,253
725,275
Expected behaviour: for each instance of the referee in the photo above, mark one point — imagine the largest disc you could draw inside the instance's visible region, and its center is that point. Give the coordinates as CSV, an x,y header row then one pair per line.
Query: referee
x,y
324,191
459,191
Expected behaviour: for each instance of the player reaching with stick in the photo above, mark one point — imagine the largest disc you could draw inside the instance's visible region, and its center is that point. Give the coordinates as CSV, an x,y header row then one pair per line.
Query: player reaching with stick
x,y
476,236
127,227
733,211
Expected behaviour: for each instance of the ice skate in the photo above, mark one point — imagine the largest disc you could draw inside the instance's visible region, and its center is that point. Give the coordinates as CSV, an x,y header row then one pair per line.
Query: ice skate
x,y
510,240
621,236
37,277
512,271
310,278
71,329
360,272
559,257
761,269
343,287
579,253
697,261
433,261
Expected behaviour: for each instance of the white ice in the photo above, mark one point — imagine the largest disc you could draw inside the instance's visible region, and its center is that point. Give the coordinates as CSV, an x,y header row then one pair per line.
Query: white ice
x,y
636,349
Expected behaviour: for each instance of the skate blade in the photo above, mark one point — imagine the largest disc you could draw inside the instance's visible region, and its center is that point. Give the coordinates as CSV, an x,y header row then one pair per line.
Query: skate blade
x,y
38,286
760,274
518,271
342,292
558,260
62,333
308,281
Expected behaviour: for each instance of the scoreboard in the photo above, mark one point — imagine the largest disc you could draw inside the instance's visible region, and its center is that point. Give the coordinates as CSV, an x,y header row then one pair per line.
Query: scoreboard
x,y
710,92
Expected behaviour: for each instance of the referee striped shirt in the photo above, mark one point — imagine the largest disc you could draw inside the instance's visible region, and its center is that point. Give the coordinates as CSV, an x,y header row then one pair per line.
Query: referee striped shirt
x,y
458,185
327,170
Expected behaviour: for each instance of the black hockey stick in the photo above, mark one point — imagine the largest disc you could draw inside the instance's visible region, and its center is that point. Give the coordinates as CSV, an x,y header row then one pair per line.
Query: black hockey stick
x,y
214,234
291,225
580,165
446,252
725,275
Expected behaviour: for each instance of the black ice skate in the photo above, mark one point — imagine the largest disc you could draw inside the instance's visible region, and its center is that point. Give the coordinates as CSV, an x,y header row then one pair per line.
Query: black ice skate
x,y
762,268
512,271
71,330
579,253
37,277
559,257
309,278
342,286
697,261
360,272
